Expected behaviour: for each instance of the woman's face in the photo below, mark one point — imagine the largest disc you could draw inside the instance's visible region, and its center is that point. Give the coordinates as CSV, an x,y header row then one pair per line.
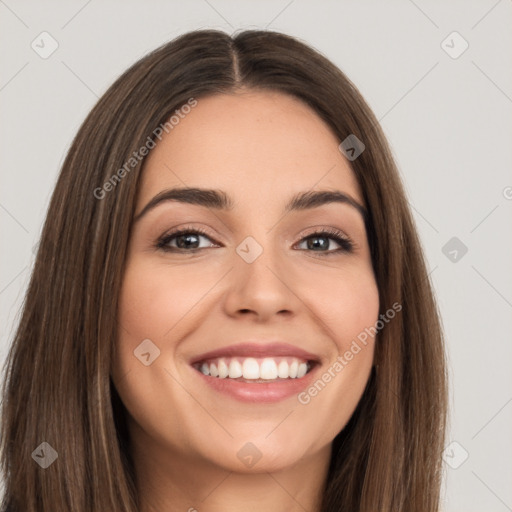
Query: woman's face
x,y
255,292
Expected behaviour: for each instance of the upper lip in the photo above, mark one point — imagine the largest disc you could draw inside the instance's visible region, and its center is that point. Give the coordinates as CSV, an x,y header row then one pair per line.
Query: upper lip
x,y
251,349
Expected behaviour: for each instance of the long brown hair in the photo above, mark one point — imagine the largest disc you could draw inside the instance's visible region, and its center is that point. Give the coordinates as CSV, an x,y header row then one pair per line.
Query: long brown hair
x,y
57,386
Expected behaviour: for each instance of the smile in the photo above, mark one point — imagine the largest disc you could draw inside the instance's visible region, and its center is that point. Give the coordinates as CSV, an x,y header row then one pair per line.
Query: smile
x,y
255,369
255,372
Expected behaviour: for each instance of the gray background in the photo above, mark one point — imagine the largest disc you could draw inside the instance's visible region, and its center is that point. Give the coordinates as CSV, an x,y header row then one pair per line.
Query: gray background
x,y
448,120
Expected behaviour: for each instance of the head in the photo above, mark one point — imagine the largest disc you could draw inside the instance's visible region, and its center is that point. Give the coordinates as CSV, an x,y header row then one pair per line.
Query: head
x,y
250,127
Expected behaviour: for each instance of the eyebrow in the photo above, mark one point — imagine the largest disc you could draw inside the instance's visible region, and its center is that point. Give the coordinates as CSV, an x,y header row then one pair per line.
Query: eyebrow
x,y
219,200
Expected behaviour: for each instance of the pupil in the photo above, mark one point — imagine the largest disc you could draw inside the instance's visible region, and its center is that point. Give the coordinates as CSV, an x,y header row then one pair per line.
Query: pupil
x,y
312,244
183,241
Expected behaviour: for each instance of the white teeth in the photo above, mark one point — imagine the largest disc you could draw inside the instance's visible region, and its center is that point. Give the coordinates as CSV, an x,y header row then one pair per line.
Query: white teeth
x,y
303,368
268,369
251,368
235,369
283,371
294,367
213,370
223,369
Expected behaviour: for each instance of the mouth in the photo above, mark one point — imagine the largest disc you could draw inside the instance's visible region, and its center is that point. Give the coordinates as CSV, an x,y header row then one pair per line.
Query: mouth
x,y
255,370
257,373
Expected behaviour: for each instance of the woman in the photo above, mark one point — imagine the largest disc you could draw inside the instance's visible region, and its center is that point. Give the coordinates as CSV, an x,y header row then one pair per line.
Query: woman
x,y
229,308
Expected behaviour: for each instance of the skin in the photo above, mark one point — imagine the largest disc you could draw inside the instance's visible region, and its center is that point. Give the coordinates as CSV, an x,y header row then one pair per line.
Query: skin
x,y
260,148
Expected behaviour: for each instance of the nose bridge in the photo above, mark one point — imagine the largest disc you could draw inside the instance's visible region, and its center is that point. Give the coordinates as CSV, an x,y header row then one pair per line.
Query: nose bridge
x,y
260,279
259,262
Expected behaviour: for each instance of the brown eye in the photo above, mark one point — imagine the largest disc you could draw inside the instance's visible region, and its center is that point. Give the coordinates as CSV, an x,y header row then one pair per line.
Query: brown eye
x,y
185,240
321,242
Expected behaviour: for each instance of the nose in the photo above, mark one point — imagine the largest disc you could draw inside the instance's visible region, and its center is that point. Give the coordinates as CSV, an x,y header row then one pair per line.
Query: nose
x,y
261,289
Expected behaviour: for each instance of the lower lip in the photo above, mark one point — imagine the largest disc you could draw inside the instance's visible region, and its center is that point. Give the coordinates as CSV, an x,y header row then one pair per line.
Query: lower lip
x,y
259,392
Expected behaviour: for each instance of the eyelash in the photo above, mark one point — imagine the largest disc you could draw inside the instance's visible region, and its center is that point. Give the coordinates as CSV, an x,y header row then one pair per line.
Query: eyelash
x,y
345,243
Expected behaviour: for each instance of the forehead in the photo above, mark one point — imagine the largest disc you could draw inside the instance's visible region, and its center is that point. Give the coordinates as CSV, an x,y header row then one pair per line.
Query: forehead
x,y
258,146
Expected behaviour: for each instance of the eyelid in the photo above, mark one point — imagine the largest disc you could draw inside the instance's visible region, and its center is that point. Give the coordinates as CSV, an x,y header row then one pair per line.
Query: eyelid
x,y
313,230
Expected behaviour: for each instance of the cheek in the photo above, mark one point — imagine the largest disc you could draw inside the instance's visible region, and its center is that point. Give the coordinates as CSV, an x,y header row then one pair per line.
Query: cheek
x,y
346,302
156,303
347,306
155,299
